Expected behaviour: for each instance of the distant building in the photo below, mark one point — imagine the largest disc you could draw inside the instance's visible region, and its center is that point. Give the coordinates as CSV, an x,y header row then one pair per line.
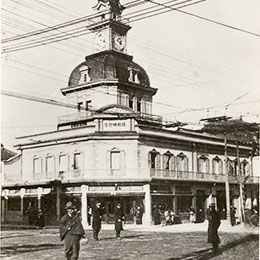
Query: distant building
x,y
6,154
114,149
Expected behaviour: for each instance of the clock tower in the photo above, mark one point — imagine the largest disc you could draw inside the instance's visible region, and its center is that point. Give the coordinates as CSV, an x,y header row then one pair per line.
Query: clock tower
x,y
109,28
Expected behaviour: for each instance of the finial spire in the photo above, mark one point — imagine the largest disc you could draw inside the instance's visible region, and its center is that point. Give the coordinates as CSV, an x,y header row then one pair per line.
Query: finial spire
x,y
113,6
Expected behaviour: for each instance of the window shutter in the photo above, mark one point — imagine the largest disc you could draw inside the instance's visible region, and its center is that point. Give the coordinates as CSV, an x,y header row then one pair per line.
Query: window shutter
x,y
186,166
164,160
122,159
200,165
172,167
207,165
149,160
214,162
177,159
158,161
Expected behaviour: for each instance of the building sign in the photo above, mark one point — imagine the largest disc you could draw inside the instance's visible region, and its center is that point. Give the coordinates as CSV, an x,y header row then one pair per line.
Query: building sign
x,y
116,125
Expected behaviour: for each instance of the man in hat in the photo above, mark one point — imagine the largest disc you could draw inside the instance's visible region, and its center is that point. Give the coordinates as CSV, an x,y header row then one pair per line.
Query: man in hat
x,y
119,218
71,230
214,223
96,220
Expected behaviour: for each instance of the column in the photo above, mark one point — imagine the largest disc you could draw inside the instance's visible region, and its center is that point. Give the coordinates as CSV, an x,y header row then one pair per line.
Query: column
x,y
39,194
174,200
147,205
84,205
22,192
58,189
3,209
226,173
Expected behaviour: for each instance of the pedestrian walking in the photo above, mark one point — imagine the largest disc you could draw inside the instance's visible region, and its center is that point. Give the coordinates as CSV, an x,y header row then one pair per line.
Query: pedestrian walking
x,y
32,214
233,215
40,219
119,218
167,217
200,217
214,223
89,215
192,216
96,220
139,215
156,215
71,231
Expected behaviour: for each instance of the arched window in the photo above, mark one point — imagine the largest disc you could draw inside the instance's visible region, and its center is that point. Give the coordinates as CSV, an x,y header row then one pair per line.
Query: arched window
x,y
245,168
116,161
217,165
63,163
50,165
231,167
154,159
168,161
77,161
182,162
84,74
203,164
37,167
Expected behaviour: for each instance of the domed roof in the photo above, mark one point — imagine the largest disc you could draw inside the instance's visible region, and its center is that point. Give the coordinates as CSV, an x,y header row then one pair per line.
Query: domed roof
x,y
107,66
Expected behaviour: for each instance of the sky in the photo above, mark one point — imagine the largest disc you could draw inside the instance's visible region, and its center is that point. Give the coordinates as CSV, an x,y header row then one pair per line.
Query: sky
x,y
201,69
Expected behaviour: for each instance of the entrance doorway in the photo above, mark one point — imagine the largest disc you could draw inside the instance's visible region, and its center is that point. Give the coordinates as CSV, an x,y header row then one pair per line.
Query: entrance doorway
x,y
200,206
108,205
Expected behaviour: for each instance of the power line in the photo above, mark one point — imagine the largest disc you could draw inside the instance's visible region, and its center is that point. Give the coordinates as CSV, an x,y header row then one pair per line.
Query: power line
x,y
87,18
53,39
206,19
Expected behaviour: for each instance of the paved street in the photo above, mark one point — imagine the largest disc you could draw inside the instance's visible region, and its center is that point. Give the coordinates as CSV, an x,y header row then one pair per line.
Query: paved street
x,y
135,244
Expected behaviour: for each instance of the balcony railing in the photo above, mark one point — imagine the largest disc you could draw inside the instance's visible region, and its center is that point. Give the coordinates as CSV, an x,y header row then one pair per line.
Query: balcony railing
x,y
84,115
80,116
199,176
131,173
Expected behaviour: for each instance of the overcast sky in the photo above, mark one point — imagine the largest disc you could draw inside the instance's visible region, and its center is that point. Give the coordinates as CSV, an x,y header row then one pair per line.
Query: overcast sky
x,y
201,69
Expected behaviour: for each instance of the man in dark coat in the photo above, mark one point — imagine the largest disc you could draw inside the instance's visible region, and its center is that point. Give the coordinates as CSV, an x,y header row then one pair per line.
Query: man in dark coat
x,y
156,215
214,223
96,220
71,230
119,218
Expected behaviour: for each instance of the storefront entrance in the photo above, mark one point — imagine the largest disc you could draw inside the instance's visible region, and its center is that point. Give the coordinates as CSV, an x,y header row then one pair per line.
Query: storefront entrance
x,y
108,205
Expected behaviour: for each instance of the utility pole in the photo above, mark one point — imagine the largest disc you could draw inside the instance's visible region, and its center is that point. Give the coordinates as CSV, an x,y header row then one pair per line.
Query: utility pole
x,y
226,173
241,183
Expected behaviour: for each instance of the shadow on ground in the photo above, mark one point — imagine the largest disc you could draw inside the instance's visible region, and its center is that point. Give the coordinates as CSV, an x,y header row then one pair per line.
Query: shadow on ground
x,y
19,249
206,254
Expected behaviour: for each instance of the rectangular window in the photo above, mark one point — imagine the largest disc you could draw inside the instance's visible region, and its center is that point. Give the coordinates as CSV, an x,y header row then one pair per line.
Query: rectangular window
x,y
63,163
36,165
88,106
50,164
115,160
80,106
14,204
131,103
153,160
76,161
139,106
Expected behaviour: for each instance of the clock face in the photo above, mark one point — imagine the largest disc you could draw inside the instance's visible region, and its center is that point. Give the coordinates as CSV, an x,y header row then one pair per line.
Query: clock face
x,y
100,40
119,42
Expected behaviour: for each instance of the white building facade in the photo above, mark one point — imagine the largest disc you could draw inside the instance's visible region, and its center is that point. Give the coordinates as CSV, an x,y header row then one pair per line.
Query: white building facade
x,y
114,149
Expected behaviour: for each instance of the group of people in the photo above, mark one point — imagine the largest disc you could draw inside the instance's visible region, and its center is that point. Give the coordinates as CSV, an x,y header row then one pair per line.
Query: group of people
x,y
35,216
170,217
72,231
97,214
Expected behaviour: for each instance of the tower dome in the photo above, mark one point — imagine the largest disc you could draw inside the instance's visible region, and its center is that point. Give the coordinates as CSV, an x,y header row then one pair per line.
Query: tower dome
x,y
108,66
